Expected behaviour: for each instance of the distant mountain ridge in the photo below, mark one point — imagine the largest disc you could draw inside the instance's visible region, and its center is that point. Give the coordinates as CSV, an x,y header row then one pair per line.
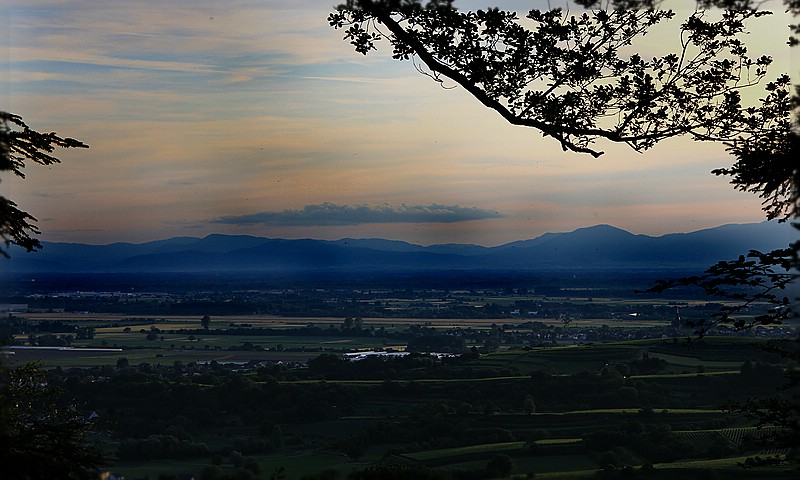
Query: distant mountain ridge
x,y
596,247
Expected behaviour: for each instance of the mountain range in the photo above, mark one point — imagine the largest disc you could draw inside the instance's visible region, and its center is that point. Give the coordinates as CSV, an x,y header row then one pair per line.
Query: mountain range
x,y
600,247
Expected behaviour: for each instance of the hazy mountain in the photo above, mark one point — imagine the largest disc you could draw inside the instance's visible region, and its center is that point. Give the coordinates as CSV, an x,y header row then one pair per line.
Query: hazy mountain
x,y
597,247
400,246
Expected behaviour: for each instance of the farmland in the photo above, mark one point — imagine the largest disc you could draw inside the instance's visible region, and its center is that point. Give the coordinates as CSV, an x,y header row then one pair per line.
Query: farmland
x,y
551,386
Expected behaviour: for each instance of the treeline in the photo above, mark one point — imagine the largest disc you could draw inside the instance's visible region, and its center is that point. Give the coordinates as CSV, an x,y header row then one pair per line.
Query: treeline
x,y
20,325
338,302
156,447
415,366
411,403
192,395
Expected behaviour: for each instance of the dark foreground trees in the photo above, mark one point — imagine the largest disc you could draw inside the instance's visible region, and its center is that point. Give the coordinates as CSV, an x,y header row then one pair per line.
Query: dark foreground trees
x,y
42,435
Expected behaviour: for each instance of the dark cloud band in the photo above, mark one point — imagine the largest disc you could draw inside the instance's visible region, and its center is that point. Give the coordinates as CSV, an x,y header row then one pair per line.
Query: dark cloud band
x,y
330,214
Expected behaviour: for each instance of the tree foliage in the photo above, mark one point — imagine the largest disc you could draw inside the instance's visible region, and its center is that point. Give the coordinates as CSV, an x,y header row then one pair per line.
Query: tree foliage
x,y
500,466
41,434
18,144
791,6
747,281
577,77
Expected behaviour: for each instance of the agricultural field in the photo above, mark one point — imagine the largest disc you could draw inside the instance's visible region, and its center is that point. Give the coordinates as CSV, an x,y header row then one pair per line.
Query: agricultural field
x,y
591,389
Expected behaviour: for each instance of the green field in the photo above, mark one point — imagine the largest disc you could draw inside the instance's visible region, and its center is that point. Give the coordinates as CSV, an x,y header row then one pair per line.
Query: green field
x,y
436,414
567,359
435,456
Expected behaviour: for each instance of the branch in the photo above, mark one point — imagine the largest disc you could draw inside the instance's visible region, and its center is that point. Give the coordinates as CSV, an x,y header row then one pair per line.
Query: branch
x,y
384,16
17,146
758,278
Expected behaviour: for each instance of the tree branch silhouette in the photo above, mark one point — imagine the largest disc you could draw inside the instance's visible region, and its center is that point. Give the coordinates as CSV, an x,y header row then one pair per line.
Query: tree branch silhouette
x,y
19,144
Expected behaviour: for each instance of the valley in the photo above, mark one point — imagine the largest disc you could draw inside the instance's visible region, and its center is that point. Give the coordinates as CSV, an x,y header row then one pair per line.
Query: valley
x,y
491,381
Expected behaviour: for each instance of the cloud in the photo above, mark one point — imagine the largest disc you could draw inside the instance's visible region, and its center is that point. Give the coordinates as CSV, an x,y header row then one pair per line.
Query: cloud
x,y
43,194
330,214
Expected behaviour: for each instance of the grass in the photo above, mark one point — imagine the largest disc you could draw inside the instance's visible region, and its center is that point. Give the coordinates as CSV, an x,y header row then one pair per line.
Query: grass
x,y
555,463
557,466
713,354
684,375
295,464
716,463
558,441
137,339
472,450
567,359
153,468
574,475
694,362
298,464
673,411
162,356
208,346
567,462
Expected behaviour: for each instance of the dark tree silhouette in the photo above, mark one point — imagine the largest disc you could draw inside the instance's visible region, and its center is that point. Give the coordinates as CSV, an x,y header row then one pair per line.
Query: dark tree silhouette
x,y
18,144
500,466
41,434
576,78
573,77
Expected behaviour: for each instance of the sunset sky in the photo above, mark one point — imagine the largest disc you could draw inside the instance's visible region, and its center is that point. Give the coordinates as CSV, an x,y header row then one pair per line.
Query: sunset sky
x,y
254,117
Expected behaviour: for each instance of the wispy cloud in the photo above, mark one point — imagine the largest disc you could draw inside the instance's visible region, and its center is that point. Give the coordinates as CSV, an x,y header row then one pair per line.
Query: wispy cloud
x,y
201,114
331,214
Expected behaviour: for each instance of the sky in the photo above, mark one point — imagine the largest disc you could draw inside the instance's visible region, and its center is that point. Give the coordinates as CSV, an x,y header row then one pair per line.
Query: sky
x,y
255,117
